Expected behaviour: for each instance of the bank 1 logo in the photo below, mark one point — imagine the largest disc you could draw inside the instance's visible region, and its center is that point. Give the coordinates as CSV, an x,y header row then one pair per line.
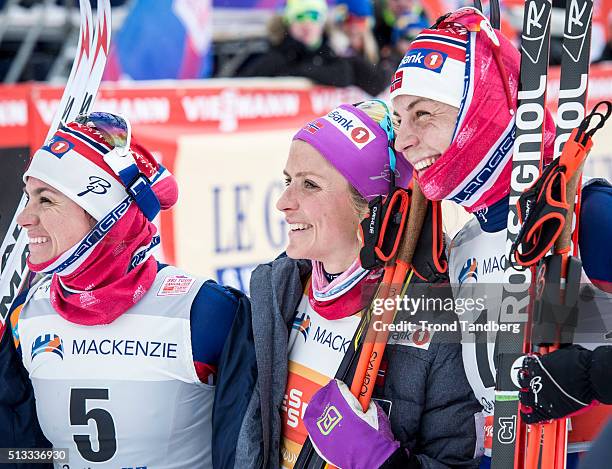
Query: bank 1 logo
x,y
424,58
360,134
351,126
58,146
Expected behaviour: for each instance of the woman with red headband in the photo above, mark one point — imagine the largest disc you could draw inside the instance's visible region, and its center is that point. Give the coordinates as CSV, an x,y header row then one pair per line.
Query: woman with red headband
x,y
121,351
455,93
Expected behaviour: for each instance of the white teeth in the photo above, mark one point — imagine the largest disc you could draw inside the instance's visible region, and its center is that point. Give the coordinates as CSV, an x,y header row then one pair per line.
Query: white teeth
x,y
424,163
38,240
298,226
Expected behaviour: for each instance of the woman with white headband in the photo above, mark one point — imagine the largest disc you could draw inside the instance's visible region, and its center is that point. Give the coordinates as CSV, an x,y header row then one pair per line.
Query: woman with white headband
x,y
121,351
455,93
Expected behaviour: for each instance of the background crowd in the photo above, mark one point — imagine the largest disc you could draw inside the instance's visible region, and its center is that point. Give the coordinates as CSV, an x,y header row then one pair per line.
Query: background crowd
x,y
331,42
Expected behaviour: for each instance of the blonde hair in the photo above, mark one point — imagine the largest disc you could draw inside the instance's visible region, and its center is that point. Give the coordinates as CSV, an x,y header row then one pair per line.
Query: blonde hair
x,y
377,110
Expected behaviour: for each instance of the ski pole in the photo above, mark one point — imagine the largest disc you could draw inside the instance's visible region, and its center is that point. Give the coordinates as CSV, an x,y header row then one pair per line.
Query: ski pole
x,y
553,447
554,443
372,352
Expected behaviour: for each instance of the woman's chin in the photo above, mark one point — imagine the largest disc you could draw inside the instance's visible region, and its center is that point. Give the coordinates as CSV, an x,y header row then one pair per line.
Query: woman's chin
x,y
38,257
292,252
295,252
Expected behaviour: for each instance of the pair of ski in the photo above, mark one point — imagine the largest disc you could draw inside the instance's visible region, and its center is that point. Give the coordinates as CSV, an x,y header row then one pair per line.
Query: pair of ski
x,y
545,445
368,343
79,95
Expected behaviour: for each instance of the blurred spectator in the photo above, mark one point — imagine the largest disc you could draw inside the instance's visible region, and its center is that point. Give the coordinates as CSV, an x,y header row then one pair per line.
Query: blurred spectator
x,y
405,29
387,13
299,47
355,19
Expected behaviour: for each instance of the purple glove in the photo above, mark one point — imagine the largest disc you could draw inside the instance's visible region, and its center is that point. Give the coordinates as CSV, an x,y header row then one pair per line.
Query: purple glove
x,y
343,434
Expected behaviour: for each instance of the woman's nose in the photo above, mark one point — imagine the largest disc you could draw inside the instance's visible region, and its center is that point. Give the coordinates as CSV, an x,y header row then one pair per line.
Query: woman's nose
x,y
26,217
406,138
287,200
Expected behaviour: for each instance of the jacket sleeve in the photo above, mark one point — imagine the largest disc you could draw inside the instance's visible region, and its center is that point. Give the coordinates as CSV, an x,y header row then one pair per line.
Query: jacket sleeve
x,y
601,373
212,313
18,420
595,232
450,419
236,379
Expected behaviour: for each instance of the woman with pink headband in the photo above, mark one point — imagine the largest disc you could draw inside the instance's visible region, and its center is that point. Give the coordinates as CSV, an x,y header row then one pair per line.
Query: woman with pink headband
x,y
120,352
307,306
455,93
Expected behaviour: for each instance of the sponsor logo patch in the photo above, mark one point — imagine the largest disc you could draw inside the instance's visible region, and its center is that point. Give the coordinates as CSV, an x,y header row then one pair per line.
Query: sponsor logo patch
x,y
48,343
43,291
301,323
351,126
360,134
417,339
469,271
176,285
58,146
328,421
97,185
428,59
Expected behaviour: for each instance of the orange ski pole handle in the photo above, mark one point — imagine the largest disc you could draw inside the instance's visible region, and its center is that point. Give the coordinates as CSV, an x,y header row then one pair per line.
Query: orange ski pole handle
x,y
553,445
368,343
573,158
416,217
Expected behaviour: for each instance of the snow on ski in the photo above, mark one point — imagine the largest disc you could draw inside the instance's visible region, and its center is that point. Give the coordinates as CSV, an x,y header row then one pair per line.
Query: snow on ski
x,y
528,149
78,97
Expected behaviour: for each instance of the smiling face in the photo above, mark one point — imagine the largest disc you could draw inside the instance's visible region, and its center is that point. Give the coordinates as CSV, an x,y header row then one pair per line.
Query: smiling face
x,y
317,204
426,130
308,32
54,223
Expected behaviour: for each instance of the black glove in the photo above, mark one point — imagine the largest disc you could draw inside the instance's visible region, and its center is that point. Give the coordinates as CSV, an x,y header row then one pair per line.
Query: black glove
x,y
401,459
556,384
